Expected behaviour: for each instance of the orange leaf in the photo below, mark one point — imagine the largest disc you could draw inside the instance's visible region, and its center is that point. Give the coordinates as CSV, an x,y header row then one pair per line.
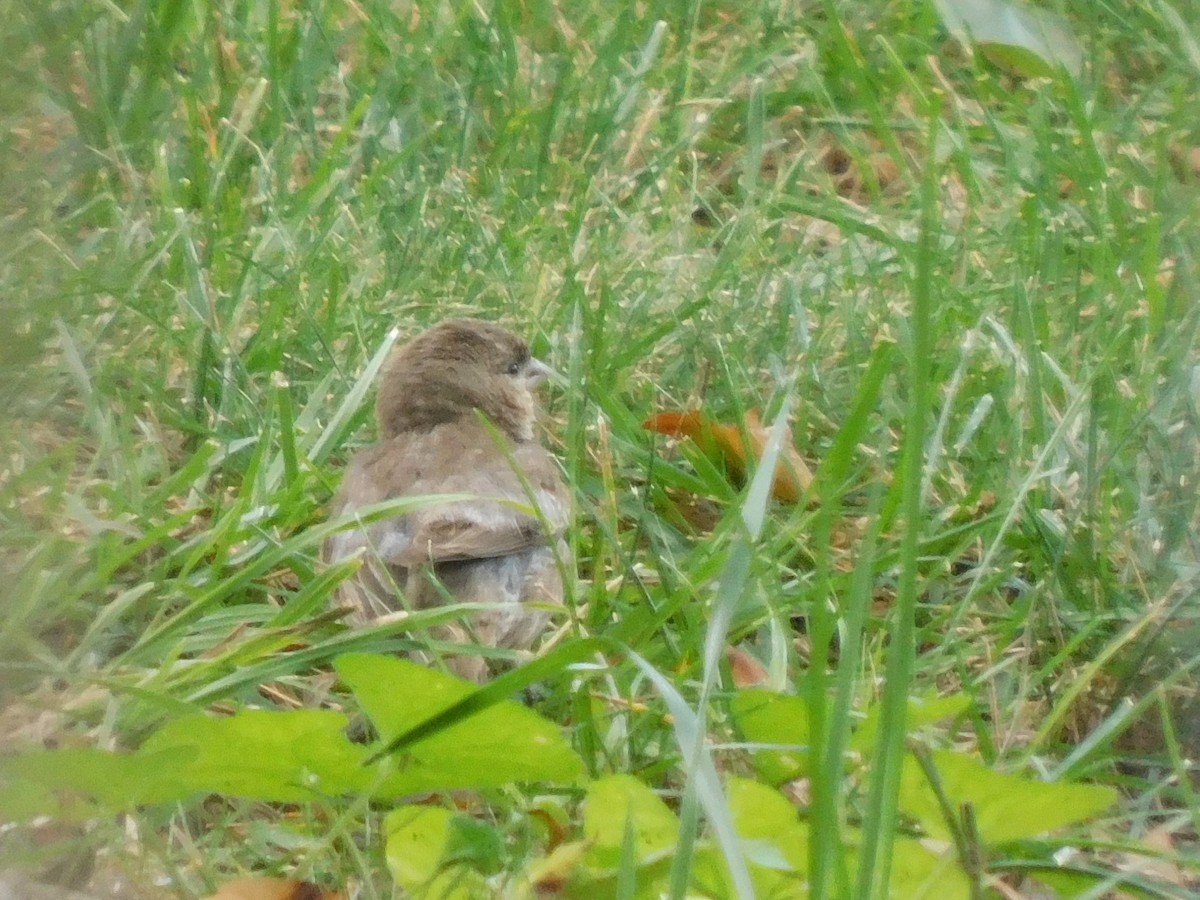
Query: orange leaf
x,y
718,440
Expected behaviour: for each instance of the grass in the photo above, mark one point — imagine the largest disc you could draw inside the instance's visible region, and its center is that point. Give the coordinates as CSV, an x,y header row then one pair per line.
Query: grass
x,y
975,293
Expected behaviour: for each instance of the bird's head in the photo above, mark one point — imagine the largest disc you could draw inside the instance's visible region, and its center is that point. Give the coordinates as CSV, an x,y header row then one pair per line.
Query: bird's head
x,y
456,367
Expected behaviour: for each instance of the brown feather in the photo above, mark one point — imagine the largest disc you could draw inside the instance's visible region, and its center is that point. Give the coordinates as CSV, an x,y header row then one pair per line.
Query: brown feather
x,y
491,549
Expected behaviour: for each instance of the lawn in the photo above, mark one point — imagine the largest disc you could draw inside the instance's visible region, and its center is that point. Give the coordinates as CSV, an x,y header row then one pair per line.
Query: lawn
x,y
954,278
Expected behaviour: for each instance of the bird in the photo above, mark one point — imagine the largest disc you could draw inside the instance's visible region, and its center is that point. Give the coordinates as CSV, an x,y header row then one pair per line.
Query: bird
x,y
456,414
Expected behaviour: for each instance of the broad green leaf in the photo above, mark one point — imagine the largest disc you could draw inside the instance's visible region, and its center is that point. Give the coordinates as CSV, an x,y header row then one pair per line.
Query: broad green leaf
x,y
704,791
774,838
34,783
777,846
1006,807
630,836
502,743
928,709
765,717
1017,38
710,874
266,755
921,874
763,816
417,837
476,843
424,844
619,802
22,800
549,666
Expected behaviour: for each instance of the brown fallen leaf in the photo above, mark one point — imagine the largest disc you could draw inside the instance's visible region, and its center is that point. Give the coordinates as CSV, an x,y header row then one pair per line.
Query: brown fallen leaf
x,y
723,442
745,669
262,888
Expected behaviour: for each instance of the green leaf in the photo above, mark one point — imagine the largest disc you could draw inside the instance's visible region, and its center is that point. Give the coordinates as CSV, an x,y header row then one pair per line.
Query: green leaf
x,y
266,755
502,743
777,843
1019,39
921,874
928,709
621,802
475,842
22,800
417,837
774,838
470,702
33,783
1006,807
765,717
420,842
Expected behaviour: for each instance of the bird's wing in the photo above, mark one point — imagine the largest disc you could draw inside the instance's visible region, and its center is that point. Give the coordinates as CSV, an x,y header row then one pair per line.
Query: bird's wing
x,y
458,460
359,490
501,521
475,529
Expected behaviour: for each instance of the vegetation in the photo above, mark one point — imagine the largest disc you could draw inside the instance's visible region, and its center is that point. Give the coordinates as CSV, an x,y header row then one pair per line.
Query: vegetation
x,y
962,271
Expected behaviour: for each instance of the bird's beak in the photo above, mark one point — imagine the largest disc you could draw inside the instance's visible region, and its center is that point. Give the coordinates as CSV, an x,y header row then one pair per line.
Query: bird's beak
x,y
537,371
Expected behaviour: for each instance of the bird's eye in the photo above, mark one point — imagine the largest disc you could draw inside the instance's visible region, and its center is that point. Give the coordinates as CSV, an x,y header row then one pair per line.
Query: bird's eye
x,y
514,368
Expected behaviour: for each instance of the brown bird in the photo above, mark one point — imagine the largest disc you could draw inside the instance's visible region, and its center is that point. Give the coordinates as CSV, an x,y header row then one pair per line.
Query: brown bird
x,y
433,393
